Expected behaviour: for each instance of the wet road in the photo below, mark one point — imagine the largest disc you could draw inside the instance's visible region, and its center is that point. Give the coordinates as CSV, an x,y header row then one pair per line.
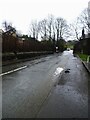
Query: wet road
x,y
69,99
25,91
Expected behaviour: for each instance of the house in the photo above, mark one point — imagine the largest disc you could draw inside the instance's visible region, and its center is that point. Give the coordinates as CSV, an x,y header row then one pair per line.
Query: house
x,y
1,31
83,45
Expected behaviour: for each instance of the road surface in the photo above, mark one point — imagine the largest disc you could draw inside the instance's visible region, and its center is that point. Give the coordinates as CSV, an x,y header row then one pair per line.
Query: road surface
x,y
29,88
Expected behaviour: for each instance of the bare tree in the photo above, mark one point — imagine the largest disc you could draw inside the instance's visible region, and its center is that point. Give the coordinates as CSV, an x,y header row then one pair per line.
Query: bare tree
x,y
9,29
37,30
81,22
34,29
46,27
84,19
50,28
54,30
50,24
75,30
43,28
61,27
57,24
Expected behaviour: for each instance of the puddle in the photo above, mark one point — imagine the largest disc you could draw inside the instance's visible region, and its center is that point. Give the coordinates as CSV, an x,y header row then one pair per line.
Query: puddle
x,y
58,71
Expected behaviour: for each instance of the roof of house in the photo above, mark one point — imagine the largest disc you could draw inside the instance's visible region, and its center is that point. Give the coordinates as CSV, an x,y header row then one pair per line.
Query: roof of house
x,y
86,36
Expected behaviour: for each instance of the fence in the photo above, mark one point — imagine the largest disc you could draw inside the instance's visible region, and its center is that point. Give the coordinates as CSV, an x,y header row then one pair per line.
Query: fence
x,y
12,44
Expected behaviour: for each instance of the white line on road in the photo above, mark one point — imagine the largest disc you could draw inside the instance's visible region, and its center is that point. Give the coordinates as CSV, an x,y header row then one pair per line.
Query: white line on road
x,y
13,71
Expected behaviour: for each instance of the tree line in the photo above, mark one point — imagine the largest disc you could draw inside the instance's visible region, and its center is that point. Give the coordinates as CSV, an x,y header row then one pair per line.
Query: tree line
x,y
52,29
49,28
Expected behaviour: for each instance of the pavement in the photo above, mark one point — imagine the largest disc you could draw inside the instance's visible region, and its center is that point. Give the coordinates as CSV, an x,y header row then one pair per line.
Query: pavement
x,y
17,60
41,90
13,61
87,66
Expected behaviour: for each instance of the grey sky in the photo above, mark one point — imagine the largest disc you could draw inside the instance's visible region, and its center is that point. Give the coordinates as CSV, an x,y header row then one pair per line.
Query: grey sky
x,y
22,12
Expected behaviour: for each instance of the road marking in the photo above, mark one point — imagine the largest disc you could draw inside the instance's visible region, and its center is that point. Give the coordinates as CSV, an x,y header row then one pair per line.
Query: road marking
x,y
13,71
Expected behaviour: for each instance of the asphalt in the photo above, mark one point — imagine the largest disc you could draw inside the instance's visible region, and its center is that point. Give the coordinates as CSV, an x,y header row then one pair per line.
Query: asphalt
x,y
24,91
69,98
52,87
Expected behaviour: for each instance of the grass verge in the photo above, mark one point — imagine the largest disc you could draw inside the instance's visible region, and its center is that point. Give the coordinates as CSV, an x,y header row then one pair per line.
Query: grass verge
x,y
83,56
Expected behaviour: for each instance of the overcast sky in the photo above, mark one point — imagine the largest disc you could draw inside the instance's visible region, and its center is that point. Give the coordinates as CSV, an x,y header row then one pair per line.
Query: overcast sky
x,y
21,12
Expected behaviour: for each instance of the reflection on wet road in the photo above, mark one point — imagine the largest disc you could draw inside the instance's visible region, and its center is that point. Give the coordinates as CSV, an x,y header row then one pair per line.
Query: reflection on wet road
x,y
69,99
25,91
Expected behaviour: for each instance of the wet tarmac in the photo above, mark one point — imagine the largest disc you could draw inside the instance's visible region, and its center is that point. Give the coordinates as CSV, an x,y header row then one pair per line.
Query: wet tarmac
x,y
69,99
43,89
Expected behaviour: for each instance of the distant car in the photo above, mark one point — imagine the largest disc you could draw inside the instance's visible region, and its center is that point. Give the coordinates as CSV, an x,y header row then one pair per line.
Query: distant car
x,y
68,49
57,50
